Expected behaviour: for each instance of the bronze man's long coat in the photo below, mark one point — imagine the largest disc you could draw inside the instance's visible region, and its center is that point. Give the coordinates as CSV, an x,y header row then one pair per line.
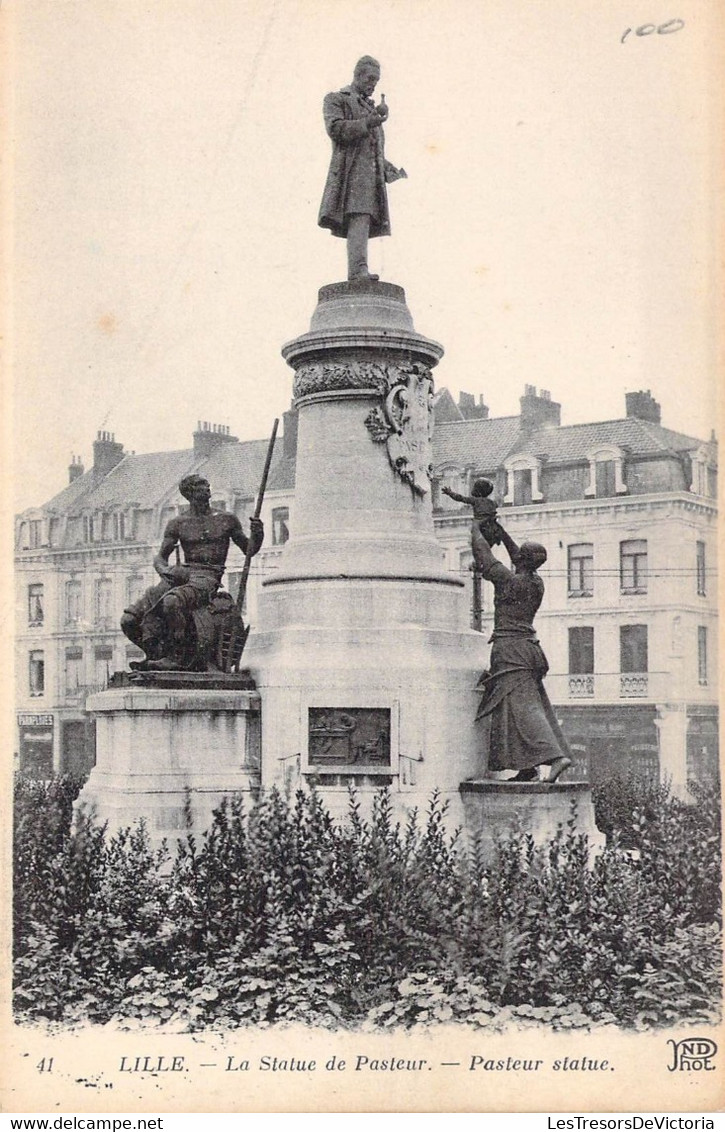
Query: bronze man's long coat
x,y
345,112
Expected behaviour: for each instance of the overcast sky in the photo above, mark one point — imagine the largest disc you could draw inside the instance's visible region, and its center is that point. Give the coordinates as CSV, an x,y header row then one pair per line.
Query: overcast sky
x,y
556,227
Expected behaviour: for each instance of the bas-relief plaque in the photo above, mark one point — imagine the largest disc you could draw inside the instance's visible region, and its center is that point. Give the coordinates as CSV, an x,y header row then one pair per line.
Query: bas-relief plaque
x,y
354,737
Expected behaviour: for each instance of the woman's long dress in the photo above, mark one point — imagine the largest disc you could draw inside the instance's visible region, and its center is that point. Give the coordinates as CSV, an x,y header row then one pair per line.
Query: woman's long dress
x,y
518,727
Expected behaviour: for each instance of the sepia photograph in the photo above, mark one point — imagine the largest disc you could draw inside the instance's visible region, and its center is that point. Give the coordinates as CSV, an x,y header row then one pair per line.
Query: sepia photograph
x,y
362,695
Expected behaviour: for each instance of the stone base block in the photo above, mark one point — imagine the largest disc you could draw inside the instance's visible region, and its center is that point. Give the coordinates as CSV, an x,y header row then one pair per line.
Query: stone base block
x,y
169,756
494,808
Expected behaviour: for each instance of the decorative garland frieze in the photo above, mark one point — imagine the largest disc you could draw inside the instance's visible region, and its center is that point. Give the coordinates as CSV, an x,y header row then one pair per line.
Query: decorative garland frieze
x,y
326,377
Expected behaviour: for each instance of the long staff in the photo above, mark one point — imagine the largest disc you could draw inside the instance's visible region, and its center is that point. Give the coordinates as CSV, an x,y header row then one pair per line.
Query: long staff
x,y
248,559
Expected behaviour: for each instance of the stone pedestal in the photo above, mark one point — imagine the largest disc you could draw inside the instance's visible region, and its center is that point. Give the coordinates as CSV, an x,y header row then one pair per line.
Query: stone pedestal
x,y
362,652
169,755
494,808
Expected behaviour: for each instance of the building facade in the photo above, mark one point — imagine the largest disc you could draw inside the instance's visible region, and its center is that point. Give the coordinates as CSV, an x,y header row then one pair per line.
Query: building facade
x,y
626,508
627,511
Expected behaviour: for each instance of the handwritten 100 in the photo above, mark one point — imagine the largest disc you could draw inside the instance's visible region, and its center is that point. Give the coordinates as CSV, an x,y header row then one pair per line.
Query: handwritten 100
x,y
661,29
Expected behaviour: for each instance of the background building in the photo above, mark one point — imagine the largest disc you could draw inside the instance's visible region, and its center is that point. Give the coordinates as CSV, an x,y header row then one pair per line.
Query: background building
x,y
626,509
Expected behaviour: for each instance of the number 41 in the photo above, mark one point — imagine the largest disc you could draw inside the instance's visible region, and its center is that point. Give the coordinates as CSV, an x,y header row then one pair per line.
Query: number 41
x,y
45,1065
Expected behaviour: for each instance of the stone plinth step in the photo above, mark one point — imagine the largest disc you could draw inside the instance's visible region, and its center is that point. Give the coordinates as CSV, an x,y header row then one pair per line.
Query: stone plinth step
x,y
218,681
501,786
494,807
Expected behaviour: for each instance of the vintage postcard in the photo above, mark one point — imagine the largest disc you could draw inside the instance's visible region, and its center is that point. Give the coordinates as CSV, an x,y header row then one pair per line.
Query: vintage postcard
x,y
363,735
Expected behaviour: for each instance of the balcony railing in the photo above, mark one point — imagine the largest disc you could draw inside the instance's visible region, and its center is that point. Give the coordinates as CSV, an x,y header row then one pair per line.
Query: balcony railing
x,y
581,687
634,685
607,687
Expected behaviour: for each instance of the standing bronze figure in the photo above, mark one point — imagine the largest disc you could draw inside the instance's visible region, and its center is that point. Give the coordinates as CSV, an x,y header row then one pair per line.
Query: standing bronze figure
x,y
519,729
355,201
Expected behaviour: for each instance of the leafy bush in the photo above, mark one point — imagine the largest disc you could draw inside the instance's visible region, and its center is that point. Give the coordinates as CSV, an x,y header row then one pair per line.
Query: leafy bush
x,y
284,915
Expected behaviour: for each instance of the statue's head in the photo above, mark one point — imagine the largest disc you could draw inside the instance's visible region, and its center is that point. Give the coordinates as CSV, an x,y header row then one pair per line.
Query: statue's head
x,y
194,487
366,75
482,488
531,556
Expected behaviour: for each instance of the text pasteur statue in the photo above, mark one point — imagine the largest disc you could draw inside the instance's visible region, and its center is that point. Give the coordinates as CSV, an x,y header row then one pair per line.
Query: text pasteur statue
x,y
181,622
355,201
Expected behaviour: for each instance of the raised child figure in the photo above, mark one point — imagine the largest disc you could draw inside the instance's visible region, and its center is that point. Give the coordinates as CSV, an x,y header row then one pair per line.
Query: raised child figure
x,y
484,509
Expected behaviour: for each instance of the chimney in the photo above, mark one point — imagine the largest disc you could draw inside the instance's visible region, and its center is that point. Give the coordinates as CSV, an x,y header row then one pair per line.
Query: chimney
x,y
75,468
469,409
290,422
538,410
643,406
106,454
209,437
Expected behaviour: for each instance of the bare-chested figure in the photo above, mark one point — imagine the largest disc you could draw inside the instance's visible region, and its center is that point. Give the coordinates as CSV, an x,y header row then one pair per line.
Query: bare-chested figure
x,y
161,622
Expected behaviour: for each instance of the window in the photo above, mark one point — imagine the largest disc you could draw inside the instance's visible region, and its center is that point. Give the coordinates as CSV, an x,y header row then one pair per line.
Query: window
x,y
699,472
73,670
103,601
633,648
73,602
134,588
606,471
35,530
581,650
522,478
522,486
280,527
103,655
581,569
234,580
454,479
35,603
702,654
581,661
119,526
700,566
633,566
36,673
605,480
633,680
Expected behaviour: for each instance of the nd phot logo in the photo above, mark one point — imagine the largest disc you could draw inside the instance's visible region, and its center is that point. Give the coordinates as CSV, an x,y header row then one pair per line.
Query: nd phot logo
x,y
692,1054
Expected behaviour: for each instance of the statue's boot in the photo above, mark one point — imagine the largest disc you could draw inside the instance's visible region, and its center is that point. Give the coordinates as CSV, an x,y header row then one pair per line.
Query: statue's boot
x,y
558,767
530,774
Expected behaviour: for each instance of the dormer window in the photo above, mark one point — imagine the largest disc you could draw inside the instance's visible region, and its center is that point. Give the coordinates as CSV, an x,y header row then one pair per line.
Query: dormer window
x,y
523,481
451,477
606,472
703,472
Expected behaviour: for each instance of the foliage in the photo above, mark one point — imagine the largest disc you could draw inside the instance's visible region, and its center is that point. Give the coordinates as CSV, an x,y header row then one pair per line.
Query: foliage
x,y
283,915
